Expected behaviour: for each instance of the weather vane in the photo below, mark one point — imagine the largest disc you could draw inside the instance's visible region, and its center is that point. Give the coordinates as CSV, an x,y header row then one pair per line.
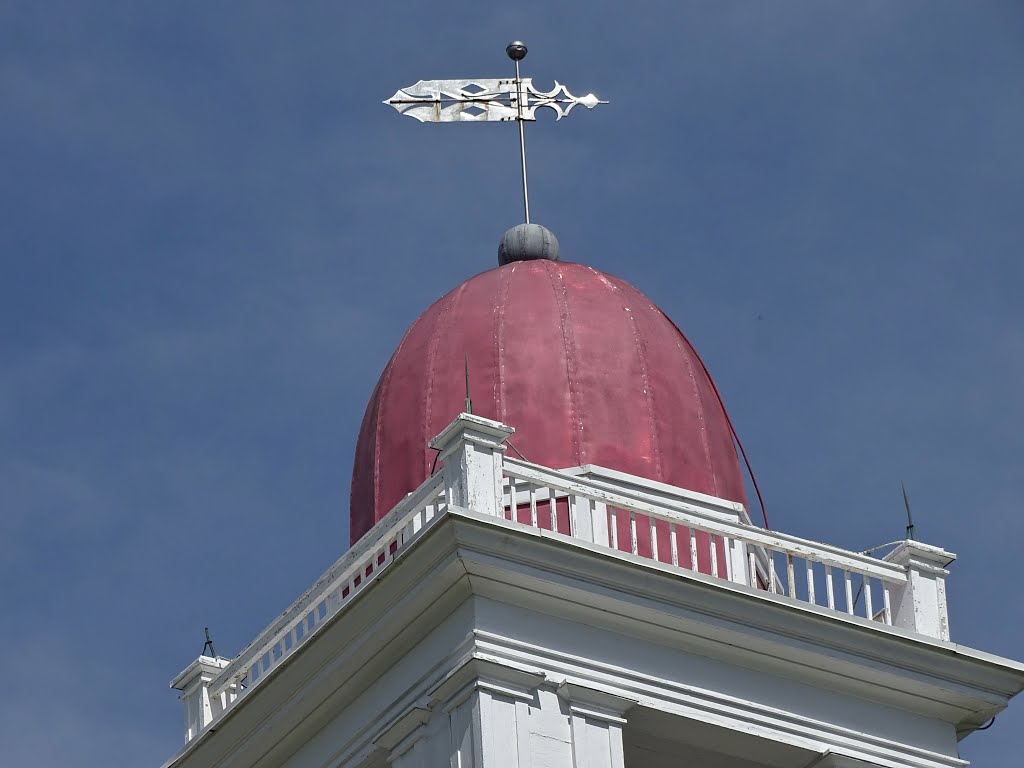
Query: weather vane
x,y
489,100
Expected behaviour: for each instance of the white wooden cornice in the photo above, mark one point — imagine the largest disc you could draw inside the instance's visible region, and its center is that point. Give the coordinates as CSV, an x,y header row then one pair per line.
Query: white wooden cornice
x,y
476,672
833,760
692,607
595,703
403,729
464,557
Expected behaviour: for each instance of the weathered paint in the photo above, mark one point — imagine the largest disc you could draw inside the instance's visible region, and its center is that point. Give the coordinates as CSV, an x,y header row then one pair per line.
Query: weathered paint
x,y
584,365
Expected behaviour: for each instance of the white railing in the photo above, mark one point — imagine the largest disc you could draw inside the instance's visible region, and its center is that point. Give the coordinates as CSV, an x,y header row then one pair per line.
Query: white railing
x,y
388,539
678,528
696,536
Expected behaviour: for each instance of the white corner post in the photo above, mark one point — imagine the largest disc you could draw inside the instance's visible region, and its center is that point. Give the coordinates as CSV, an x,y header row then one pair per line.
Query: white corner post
x,y
471,448
596,722
404,743
194,684
479,716
488,715
590,520
920,604
740,569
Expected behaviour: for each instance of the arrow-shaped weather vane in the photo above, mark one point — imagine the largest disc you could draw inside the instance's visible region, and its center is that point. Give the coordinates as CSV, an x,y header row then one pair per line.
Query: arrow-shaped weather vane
x,y
489,100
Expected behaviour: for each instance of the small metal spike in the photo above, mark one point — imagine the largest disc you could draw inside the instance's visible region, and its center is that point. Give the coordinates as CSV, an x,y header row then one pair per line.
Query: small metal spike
x,y
910,520
469,402
208,644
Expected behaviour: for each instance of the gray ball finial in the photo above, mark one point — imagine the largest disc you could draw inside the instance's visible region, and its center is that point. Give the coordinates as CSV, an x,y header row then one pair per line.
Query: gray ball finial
x,y
527,242
516,50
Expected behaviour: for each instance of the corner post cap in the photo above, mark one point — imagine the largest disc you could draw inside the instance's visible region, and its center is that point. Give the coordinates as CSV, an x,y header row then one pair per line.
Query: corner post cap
x,y
924,557
484,431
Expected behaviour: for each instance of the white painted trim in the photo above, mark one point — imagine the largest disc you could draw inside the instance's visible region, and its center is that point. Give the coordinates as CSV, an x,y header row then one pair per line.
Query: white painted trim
x,y
920,604
710,706
594,703
349,564
204,665
465,553
474,671
698,517
835,760
657,492
400,729
467,422
573,553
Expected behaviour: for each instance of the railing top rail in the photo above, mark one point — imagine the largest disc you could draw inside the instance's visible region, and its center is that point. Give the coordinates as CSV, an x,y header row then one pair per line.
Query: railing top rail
x,y
686,510
339,570
693,515
647,489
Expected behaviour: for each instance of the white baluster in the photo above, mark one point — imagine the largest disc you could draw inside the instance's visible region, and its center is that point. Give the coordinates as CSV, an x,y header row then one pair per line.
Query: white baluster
x,y
599,522
512,495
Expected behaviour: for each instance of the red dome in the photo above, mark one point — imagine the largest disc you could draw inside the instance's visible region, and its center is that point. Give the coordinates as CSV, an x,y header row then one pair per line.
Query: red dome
x,y
581,363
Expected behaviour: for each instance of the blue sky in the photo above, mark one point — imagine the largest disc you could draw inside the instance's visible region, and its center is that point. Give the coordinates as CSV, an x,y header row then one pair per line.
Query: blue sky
x,y
214,235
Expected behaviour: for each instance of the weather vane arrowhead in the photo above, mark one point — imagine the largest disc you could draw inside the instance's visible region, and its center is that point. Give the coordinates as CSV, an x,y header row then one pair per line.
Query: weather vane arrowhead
x,y
489,100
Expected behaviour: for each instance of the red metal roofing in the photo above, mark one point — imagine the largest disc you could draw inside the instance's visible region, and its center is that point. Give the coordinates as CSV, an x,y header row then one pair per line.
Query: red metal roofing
x,y
581,363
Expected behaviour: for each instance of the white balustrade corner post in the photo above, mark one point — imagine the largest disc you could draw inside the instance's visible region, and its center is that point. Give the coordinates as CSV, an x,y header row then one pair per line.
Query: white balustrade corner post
x,y
194,684
590,520
471,448
739,563
920,604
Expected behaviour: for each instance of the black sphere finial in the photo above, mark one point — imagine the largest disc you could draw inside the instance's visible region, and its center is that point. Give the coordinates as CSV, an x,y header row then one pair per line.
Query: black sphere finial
x,y
527,242
516,50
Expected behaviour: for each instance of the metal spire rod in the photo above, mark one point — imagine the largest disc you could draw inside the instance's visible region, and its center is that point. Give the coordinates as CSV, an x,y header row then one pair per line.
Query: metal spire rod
x,y
489,100
910,519
516,51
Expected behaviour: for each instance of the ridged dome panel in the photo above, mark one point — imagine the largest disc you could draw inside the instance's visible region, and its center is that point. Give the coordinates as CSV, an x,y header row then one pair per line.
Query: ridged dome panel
x,y
582,364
